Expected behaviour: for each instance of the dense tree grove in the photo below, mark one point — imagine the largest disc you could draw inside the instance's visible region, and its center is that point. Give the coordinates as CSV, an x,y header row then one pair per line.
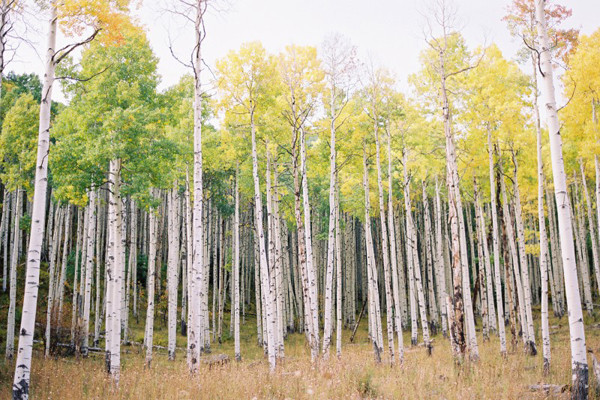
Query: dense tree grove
x,y
303,188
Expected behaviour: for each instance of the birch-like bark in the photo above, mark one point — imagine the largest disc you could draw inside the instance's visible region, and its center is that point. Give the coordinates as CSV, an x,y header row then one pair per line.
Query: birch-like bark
x,y
508,225
338,267
496,248
172,265
310,268
63,263
269,304
101,239
198,296
543,251
89,269
373,287
327,326
114,273
51,272
14,258
592,228
236,270
389,300
38,216
394,256
531,347
4,232
459,345
411,238
576,328
149,335
440,265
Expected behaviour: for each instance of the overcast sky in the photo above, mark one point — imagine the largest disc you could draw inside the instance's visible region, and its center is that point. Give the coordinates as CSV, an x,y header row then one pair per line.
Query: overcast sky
x,y
387,31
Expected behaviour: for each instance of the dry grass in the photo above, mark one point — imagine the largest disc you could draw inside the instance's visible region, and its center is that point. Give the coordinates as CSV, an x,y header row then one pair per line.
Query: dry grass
x,y
355,375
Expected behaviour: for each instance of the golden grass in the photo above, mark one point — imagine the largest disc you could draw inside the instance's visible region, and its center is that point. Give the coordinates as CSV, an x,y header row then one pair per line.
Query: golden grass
x,y
354,376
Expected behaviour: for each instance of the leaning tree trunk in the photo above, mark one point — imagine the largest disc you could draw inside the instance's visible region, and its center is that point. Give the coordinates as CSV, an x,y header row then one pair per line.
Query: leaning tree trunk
x,y
576,328
38,217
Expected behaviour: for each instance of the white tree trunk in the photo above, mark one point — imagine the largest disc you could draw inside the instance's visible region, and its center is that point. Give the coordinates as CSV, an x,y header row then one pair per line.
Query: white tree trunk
x,y
149,334
440,265
197,294
89,269
389,300
496,249
592,228
543,252
310,268
327,325
269,303
6,204
38,216
394,256
373,290
236,270
65,254
173,264
524,266
14,258
114,273
576,328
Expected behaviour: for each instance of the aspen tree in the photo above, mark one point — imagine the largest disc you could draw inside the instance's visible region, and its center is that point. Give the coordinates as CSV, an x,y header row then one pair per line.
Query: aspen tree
x,y
576,328
236,269
14,255
173,263
376,335
149,333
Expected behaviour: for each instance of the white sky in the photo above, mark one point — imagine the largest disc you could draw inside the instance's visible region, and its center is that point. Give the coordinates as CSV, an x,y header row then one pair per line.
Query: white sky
x,y
387,31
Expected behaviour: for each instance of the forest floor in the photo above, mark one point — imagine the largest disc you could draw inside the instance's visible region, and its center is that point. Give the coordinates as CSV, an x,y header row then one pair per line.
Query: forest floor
x,y
354,376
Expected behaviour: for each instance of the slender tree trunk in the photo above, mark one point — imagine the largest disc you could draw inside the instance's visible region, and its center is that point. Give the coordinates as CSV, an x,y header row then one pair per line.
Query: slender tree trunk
x,y
389,300
373,292
149,334
310,268
197,295
264,268
592,228
63,263
576,328
38,217
173,264
14,259
236,269
4,230
394,256
543,249
496,249
327,325
89,269
531,347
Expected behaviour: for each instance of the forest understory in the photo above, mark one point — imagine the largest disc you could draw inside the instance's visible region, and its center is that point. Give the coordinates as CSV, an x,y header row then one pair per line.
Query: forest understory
x,y
354,376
